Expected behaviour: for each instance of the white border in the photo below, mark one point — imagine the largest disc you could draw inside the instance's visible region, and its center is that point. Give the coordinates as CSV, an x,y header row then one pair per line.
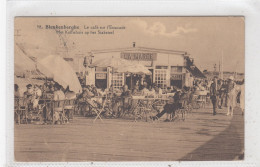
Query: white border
x,y
248,8
2,83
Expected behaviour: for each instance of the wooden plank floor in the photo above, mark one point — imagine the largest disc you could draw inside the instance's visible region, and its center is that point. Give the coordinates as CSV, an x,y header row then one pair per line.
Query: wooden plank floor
x,y
201,136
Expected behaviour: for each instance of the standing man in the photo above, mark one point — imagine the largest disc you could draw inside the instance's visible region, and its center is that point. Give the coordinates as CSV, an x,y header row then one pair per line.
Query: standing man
x,y
221,91
214,94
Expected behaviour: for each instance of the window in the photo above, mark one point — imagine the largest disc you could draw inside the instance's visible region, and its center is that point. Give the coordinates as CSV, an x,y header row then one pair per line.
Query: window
x,y
176,69
101,77
160,78
117,80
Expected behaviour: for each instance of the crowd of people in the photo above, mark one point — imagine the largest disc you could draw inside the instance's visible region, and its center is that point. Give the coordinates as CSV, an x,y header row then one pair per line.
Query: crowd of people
x,y
35,95
227,93
223,93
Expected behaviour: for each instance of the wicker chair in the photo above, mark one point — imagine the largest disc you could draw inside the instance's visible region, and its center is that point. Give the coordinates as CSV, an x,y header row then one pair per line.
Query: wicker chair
x,y
21,110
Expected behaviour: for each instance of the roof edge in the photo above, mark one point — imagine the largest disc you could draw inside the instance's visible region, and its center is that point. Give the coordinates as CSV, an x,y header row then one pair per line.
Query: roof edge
x,y
139,48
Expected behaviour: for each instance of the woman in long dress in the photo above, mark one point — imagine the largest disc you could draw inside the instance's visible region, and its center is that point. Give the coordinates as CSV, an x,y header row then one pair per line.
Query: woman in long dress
x,y
242,98
231,96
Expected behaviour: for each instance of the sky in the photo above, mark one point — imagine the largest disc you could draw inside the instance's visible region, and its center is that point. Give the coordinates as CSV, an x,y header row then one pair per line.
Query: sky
x,y
205,39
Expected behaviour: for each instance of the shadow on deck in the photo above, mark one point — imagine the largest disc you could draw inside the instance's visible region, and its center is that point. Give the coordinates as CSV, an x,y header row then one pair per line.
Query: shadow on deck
x,y
228,145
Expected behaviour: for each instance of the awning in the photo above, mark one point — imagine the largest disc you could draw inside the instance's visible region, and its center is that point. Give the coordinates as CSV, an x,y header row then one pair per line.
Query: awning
x,y
122,66
195,71
22,63
55,67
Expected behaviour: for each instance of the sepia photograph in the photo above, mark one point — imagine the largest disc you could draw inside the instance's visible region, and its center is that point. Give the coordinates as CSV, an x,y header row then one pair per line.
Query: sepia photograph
x,y
129,89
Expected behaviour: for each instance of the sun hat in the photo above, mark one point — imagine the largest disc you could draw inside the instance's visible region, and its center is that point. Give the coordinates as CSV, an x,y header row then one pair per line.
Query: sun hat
x,y
231,78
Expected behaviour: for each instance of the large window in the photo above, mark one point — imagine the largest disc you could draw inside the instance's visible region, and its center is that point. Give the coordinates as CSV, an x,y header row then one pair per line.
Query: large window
x,y
117,80
160,78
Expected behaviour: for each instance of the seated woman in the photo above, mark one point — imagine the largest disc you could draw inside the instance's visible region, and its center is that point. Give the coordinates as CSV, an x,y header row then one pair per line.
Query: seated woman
x,y
136,91
144,89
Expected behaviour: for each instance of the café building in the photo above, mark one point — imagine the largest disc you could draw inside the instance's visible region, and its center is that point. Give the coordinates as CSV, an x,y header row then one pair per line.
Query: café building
x,y
167,67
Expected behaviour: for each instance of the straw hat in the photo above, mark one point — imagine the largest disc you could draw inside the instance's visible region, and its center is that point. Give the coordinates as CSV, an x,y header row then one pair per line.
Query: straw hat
x,y
231,78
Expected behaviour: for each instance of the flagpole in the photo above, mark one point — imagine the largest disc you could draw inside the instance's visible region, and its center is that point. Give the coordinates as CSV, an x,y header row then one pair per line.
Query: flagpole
x,y
222,74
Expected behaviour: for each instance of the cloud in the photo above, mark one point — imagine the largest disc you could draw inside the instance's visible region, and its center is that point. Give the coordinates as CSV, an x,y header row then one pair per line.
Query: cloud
x,y
158,28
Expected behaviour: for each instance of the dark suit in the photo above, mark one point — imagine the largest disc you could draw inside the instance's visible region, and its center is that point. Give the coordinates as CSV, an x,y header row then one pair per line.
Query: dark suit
x,y
214,96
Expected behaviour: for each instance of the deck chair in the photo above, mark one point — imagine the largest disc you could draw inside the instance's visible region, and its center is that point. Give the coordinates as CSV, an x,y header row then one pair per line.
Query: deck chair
x,y
94,106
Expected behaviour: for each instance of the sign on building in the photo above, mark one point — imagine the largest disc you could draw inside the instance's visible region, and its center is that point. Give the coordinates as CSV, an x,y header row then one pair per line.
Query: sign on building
x,y
139,56
176,76
101,76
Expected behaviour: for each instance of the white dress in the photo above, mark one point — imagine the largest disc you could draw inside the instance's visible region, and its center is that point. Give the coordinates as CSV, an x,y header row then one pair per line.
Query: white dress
x,y
242,97
232,97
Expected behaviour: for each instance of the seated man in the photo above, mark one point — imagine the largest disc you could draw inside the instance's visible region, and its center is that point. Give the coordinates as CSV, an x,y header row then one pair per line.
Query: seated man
x,y
29,92
86,93
170,108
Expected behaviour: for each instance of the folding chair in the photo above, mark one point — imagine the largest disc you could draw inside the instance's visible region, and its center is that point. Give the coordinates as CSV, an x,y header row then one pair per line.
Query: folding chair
x,y
95,108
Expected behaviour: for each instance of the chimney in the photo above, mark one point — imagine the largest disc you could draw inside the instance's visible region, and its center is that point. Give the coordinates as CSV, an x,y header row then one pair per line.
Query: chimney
x,y
133,44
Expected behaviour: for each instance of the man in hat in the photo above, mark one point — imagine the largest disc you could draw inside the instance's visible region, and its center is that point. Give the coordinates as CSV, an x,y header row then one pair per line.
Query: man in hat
x,y
213,92
29,92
